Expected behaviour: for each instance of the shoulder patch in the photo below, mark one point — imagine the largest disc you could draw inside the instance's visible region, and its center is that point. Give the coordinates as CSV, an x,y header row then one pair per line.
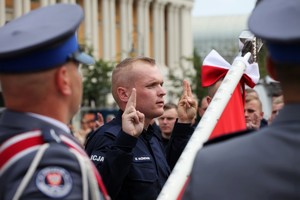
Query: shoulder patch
x,y
55,182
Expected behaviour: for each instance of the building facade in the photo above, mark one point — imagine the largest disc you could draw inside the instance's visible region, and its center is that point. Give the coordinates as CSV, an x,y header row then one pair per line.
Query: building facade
x,y
220,33
116,29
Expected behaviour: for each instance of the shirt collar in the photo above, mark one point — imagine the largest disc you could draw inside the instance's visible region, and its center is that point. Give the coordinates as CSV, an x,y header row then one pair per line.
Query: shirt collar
x,y
51,121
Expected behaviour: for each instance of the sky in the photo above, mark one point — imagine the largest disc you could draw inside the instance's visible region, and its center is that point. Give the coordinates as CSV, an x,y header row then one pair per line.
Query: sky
x,y
222,7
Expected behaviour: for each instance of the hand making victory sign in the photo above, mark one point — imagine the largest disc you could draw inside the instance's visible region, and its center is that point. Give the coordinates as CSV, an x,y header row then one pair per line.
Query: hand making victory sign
x,y
132,120
187,105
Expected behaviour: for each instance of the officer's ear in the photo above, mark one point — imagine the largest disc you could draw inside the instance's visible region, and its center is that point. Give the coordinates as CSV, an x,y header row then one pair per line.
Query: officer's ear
x,y
63,80
123,94
208,99
271,68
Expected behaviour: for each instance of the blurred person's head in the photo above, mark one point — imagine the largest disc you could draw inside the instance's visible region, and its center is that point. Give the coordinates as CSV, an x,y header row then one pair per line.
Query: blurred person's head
x,y
253,110
167,120
89,120
202,106
277,104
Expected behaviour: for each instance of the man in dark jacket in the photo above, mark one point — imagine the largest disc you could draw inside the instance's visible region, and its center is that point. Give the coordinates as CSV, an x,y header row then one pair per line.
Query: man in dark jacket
x,y
133,162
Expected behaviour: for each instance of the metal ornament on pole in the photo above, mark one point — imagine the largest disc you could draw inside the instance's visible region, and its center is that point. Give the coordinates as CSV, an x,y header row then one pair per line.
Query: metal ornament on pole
x,y
183,167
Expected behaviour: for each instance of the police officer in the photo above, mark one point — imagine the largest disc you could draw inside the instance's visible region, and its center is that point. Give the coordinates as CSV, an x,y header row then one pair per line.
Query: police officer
x,y
264,165
42,89
127,150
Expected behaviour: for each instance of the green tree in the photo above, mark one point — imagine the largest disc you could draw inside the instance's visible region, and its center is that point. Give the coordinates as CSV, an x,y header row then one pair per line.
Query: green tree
x,y
261,62
193,75
197,63
97,83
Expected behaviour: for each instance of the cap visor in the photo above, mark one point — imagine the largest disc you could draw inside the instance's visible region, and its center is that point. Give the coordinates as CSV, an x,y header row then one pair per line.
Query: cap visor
x,y
83,58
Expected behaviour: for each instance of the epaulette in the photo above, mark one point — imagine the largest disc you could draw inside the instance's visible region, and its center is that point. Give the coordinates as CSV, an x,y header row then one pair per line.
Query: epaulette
x,y
228,136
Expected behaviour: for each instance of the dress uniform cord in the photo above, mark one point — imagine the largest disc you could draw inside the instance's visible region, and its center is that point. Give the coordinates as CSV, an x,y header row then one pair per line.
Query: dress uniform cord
x,y
30,171
93,182
83,175
87,175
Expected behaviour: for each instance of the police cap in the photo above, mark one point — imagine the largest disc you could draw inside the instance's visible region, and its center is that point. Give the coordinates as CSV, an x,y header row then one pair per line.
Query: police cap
x,y
42,39
277,23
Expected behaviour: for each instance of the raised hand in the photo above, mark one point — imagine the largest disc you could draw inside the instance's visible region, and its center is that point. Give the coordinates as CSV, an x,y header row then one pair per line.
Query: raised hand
x,y
99,121
187,105
132,120
254,123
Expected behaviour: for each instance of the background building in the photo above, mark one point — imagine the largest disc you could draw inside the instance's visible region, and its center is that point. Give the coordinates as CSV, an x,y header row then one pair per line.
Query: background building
x,y
218,32
116,29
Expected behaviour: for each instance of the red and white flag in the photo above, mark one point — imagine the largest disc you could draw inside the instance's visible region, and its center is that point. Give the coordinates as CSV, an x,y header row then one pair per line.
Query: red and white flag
x,y
232,119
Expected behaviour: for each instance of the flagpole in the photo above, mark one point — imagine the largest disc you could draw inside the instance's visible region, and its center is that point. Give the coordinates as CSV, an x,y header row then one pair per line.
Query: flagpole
x,y
183,167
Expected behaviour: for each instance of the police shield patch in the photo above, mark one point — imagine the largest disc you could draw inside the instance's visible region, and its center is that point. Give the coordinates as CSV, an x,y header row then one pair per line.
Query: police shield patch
x,y
55,182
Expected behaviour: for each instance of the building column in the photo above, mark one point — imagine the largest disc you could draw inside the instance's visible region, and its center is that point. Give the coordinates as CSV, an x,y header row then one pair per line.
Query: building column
x,y
2,12
88,23
105,30
130,46
162,34
47,2
156,32
176,41
44,3
190,42
26,6
146,28
18,5
170,35
186,34
95,28
159,32
68,1
140,27
21,7
124,29
112,29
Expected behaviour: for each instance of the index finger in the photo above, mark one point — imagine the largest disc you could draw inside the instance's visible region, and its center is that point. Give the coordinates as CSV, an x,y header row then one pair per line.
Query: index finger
x,y
188,88
100,117
132,99
185,92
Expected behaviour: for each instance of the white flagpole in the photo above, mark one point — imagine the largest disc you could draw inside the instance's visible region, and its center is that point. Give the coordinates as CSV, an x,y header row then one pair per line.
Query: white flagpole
x,y
183,167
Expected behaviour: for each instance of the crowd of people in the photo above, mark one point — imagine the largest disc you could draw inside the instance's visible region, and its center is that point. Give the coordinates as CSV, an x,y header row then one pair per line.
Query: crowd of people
x,y
131,155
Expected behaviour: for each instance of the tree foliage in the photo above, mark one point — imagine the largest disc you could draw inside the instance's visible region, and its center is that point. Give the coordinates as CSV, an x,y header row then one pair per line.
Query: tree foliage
x,y
261,62
97,83
194,75
197,63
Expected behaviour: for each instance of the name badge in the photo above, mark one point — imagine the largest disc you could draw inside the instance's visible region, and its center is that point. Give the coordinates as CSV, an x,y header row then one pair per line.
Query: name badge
x,y
142,158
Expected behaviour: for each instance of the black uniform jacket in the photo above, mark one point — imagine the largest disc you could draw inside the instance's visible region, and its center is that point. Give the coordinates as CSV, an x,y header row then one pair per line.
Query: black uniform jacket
x,y
133,168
